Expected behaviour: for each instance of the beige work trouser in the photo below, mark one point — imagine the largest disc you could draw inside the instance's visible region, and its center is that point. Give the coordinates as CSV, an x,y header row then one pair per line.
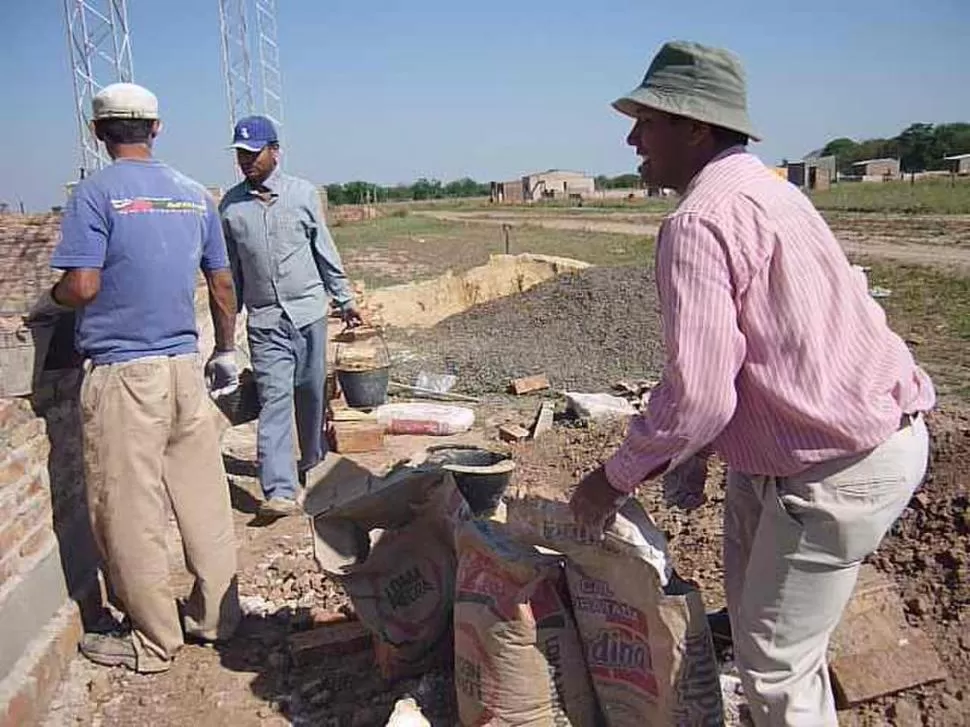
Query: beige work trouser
x,y
792,551
150,435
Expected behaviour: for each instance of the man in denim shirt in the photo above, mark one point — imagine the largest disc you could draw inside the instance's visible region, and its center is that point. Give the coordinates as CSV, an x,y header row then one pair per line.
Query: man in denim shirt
x,y
286,268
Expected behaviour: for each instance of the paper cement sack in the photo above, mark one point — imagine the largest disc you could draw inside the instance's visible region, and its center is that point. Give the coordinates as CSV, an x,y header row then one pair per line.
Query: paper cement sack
x,y
394,551
649,649
518,658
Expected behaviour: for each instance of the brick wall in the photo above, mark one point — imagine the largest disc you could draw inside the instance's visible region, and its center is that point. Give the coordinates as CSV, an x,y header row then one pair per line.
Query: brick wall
x,y
48,564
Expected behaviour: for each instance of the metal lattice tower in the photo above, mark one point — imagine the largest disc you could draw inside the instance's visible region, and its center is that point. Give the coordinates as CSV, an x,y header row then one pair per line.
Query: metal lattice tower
x,y
248,93
269,60
99,48
235,59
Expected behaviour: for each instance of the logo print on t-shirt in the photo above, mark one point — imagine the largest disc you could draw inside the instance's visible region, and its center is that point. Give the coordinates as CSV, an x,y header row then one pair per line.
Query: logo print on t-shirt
x,y
145,205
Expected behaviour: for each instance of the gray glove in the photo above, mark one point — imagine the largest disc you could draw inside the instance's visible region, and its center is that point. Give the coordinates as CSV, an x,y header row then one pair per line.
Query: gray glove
x,y
222,373
684,485
45,307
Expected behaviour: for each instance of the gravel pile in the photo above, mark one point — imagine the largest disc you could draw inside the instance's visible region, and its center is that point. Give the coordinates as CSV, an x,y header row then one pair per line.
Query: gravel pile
x,y
585,330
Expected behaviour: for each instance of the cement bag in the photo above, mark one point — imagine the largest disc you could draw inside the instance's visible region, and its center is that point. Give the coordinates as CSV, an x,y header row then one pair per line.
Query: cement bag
x,y
518,658
649,649
393,549
420,418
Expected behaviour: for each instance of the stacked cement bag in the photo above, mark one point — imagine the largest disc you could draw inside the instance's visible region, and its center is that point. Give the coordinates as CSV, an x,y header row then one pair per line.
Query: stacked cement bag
x,y
645,635
391,542
518,658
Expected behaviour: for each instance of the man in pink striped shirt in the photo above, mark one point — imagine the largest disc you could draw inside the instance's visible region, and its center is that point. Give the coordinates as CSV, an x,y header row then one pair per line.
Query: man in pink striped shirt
x,y
778,360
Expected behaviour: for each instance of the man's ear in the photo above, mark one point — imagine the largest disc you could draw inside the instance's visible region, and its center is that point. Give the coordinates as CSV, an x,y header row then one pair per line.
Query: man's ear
x,y
699,134
156,127
94,130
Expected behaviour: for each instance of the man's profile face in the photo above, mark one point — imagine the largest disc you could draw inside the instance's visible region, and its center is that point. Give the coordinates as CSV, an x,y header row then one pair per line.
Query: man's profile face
x,y
662,142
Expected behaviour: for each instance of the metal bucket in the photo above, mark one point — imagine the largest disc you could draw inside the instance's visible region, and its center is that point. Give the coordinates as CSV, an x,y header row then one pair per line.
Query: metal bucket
x,y
364,389
482,475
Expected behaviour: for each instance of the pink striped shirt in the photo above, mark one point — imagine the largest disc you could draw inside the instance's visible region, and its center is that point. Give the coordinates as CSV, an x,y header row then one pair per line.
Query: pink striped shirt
x,y
777,356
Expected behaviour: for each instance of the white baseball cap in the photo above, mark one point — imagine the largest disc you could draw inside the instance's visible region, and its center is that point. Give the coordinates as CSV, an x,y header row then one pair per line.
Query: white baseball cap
x,y
124,101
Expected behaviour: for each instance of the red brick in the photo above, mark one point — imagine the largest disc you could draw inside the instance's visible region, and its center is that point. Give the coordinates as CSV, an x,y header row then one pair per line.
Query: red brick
x,y
37,541
8,569
10,536
15,413
30,490
13,468
22,709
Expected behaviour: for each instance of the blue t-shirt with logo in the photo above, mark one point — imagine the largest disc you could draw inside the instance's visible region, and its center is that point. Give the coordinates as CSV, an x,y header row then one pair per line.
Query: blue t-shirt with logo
x,y
149,229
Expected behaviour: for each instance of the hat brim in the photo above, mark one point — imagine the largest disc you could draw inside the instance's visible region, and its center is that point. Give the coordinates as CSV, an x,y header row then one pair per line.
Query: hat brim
x,y
634,102
248,146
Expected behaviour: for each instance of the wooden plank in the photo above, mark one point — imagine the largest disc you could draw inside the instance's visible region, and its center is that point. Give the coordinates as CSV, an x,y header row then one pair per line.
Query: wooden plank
x,y
864,676
873,651
543,420
330,643
352,437
512,433
528,384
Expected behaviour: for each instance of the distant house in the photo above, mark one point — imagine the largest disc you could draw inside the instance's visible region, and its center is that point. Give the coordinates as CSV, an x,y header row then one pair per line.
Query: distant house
x,y
958,163
812,172
551,184
876,170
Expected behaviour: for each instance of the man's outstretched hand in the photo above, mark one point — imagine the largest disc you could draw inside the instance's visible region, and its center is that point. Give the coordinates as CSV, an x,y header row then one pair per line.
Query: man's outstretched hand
x,y
595,502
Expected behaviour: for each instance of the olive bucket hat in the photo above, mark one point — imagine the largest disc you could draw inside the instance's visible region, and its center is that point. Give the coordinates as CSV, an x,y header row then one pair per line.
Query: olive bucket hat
x,y
697,81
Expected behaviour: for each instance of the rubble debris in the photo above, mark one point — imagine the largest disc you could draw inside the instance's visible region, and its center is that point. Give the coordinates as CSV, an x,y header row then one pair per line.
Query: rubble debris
x,y
529,384
543,421
598,407
872,634
512,433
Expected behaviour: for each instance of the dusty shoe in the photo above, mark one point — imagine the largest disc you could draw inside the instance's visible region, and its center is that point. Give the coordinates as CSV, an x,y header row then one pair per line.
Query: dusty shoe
x,y
276,507
115,649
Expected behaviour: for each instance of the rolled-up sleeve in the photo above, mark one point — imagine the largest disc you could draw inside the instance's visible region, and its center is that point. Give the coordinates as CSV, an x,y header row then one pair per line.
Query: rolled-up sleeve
x,y
325,254
696,397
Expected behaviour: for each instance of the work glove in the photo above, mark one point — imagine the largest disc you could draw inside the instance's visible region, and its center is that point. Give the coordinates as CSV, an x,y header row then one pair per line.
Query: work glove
x,y
222,373
351,316
684,485
45,307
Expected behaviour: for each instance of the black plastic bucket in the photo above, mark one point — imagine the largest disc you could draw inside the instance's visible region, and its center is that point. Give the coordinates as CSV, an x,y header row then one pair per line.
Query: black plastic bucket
x,y
482,475
364,389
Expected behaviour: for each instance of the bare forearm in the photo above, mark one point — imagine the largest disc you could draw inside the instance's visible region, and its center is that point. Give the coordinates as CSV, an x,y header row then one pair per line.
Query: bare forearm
x,y
222,306
77,287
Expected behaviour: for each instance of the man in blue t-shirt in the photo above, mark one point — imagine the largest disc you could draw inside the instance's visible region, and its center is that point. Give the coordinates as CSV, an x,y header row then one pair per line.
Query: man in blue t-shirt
x,y
133,239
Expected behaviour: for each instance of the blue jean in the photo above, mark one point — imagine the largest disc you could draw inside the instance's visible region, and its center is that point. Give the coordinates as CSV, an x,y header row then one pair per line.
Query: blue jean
x,y
290,366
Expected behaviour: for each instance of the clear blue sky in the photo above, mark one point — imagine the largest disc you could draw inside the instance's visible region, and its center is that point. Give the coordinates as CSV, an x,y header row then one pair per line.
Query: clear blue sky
x,y
390,91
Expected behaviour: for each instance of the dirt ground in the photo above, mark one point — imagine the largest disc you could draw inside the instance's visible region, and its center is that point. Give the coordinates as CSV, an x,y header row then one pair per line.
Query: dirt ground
x,y
942,240
253,681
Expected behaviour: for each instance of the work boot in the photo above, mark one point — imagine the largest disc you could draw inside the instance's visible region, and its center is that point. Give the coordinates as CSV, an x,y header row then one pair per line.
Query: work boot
x,y
116,649
277,507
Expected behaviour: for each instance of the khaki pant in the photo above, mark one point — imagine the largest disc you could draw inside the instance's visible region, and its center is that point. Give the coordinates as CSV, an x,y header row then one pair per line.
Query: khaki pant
x,y
792,551
150,437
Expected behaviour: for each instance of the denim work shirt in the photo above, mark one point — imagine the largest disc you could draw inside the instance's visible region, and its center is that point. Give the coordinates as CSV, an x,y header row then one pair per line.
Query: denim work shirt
x,y
283,258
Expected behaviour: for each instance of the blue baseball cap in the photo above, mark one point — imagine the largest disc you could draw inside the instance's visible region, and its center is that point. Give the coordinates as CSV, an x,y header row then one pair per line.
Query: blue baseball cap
x,y
253,133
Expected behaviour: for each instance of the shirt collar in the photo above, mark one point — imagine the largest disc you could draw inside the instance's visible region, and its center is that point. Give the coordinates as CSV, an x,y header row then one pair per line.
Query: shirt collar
x,y
720,156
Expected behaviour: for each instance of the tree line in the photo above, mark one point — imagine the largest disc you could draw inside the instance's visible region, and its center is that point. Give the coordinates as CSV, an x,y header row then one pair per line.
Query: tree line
x,y
919,147
427,189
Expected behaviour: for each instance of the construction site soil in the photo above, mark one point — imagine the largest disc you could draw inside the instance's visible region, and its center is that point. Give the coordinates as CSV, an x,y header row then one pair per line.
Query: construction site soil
x,y
586,330
254,680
